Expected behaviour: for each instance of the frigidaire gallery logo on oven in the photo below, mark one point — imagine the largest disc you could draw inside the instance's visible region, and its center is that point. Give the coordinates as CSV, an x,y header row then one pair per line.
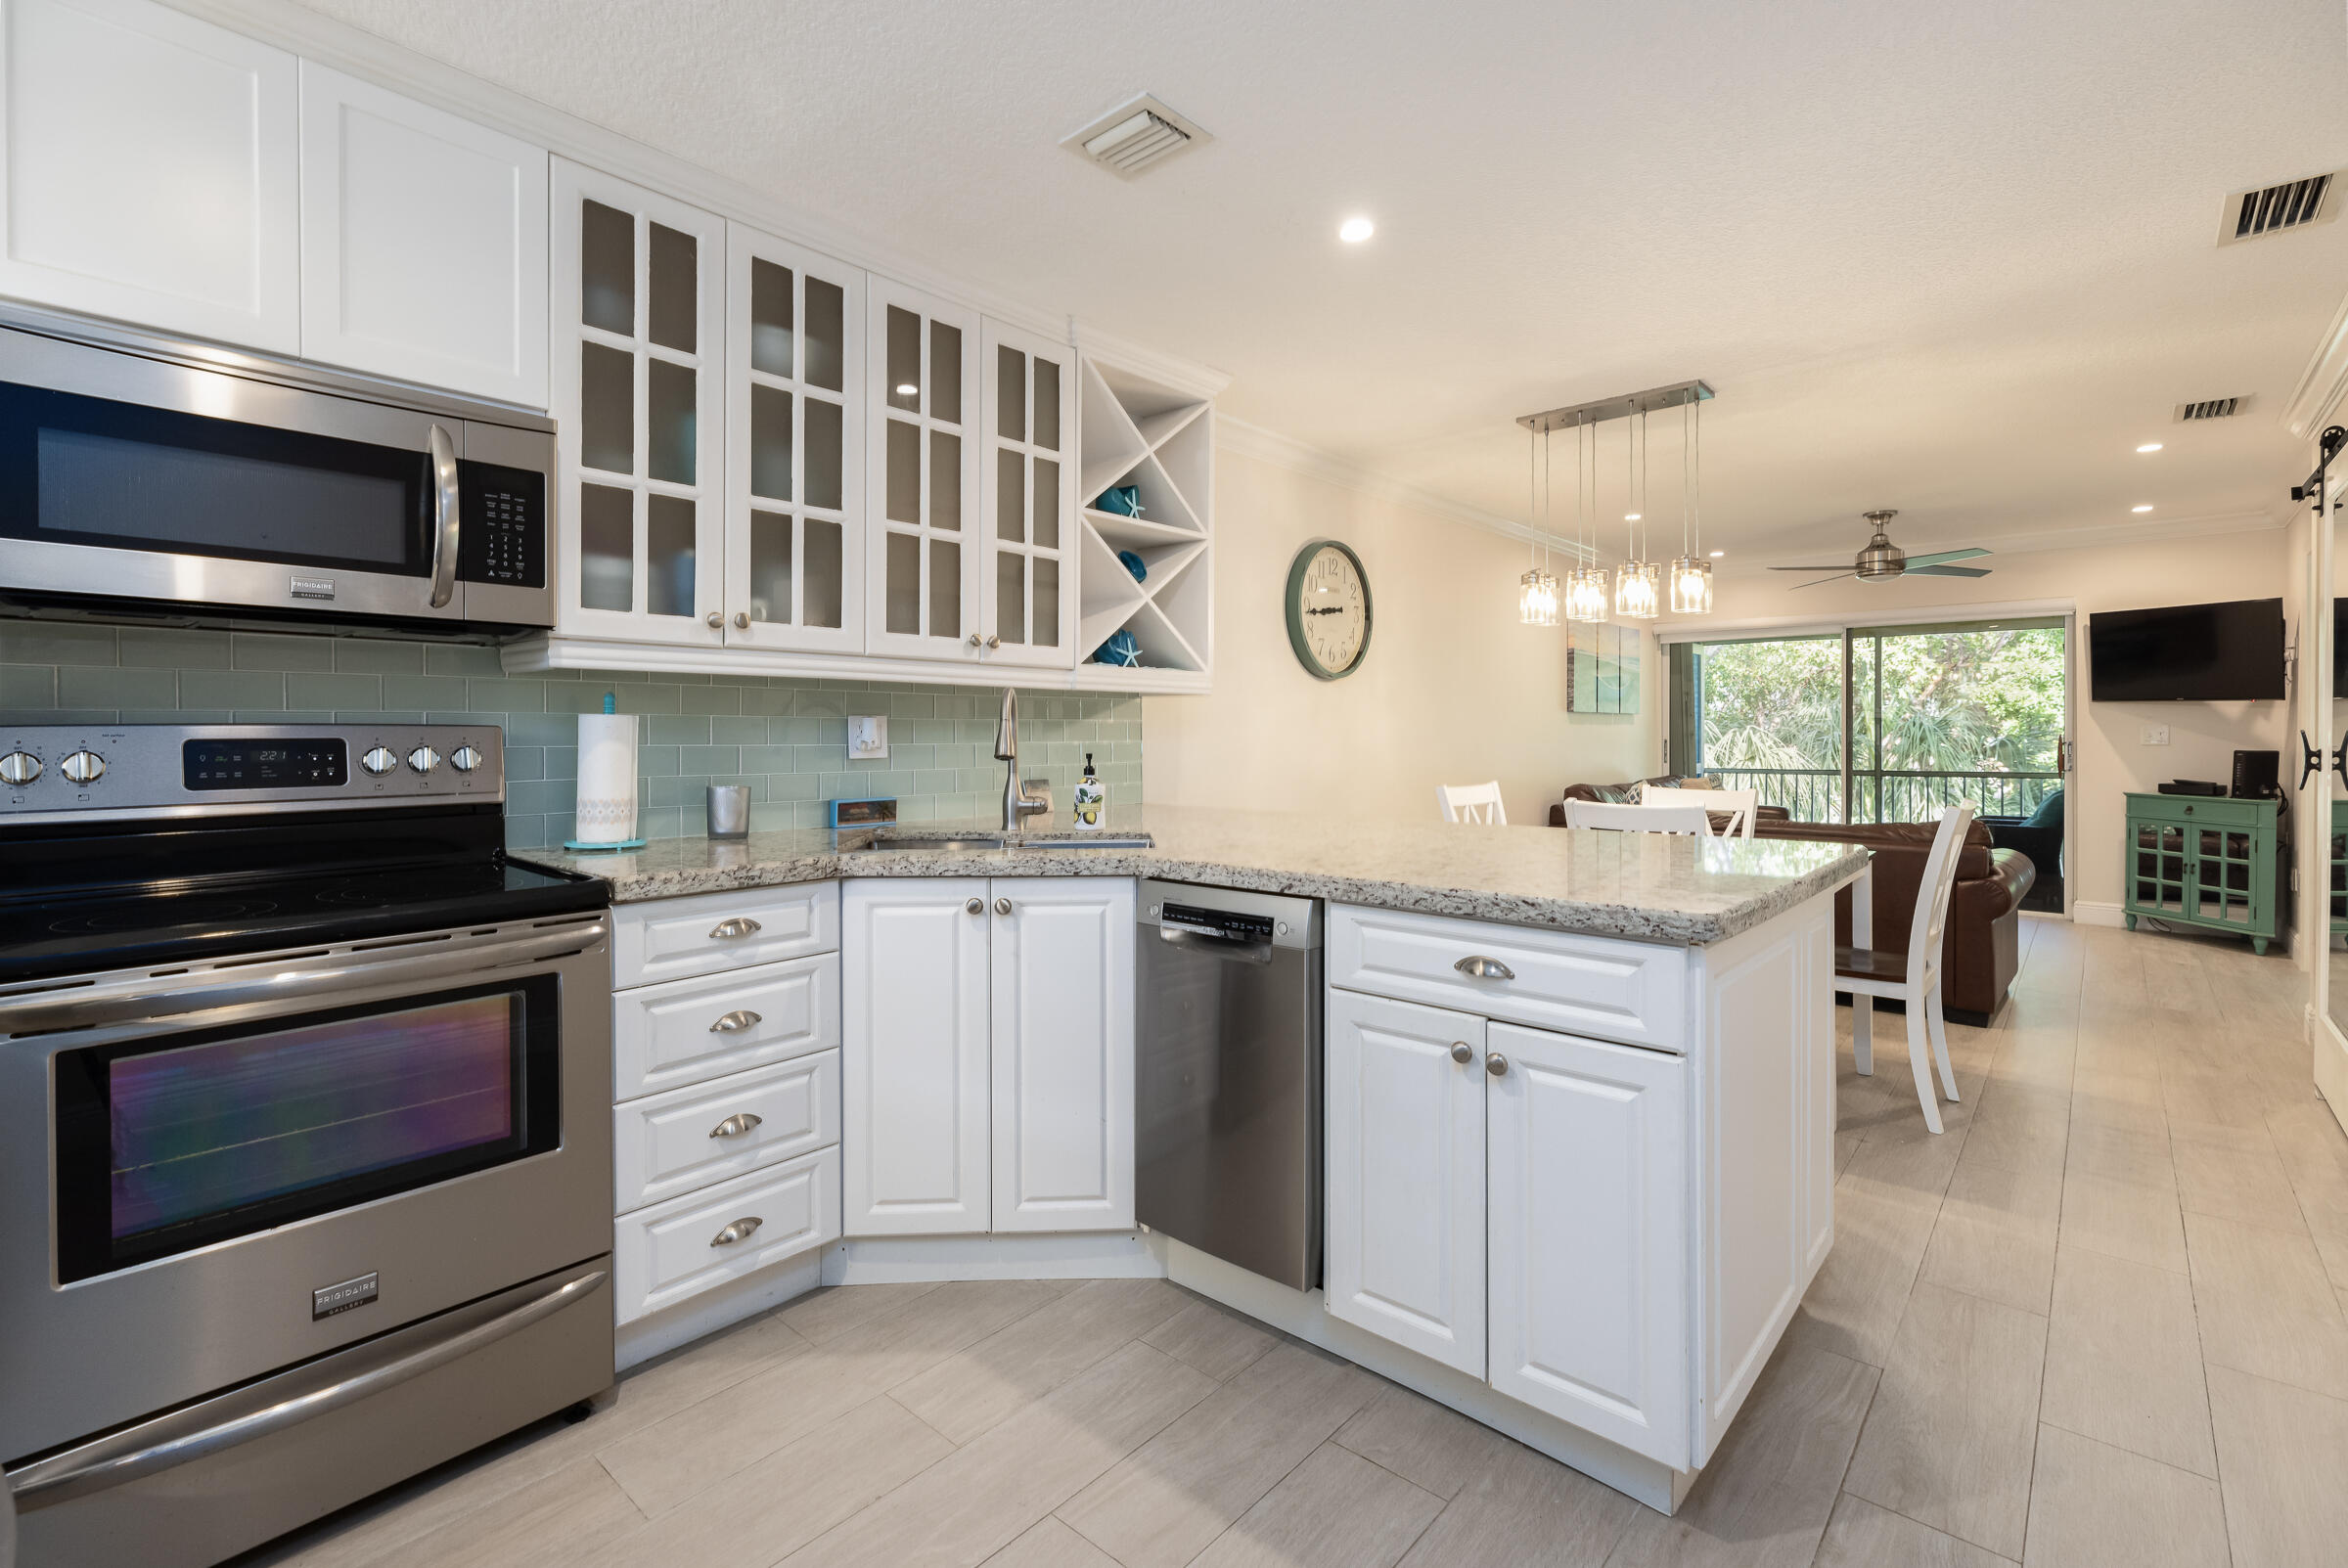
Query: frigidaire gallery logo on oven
x,y
328,1300
312,586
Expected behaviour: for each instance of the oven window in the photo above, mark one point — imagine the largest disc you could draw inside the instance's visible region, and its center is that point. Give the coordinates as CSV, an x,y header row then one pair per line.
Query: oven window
x,y
88,471
167,1145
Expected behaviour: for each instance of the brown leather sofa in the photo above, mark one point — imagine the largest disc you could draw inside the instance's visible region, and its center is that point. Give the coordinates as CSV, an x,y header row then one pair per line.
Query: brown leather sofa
x,y
1980,949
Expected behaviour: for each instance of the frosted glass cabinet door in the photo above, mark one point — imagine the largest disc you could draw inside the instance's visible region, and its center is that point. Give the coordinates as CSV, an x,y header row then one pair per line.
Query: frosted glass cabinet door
x,y
1028,500
423,243
638,328
151,170
923,550
794,447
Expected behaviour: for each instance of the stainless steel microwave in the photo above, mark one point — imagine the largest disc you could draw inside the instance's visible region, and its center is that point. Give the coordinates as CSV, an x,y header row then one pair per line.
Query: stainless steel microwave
x,y
143,474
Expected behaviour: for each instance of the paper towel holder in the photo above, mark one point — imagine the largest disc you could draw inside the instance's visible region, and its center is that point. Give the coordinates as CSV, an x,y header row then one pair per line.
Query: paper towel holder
x,y
620,809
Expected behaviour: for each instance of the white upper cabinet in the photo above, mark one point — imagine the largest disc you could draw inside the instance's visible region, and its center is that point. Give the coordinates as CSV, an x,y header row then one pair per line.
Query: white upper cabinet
x,y
1063,1008
638,328
1028,500
423,243
794,443
922,465
151,170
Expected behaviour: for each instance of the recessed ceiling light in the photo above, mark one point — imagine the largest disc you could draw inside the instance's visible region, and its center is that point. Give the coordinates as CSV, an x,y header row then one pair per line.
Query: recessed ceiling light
x,y
1353,231
908,389
1717,554
1630,517
2150,446
2146,506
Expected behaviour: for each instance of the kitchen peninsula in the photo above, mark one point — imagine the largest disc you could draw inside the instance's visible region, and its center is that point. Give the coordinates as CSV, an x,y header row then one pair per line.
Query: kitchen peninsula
x,y
1580,1094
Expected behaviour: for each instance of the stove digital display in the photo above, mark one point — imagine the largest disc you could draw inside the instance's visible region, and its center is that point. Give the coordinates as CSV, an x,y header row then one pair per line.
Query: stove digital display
x,y
232,764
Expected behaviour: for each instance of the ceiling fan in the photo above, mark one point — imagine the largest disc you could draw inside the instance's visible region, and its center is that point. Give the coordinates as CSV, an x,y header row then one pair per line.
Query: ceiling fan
x,y
1882,561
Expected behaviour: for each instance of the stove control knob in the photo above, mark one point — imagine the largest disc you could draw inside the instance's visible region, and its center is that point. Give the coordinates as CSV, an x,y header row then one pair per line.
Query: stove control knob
x,y
380,761
19,768
424,759
83,767
465,760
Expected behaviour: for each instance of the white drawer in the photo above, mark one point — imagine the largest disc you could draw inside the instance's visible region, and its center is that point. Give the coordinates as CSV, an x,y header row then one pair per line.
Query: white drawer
x,y
670,1252
1584,985
671,938
666,1145
690,1031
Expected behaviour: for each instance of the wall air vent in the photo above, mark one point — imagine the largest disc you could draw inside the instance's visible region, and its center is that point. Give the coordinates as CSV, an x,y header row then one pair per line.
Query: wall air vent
x,y
2292,205
2211,408
1138,134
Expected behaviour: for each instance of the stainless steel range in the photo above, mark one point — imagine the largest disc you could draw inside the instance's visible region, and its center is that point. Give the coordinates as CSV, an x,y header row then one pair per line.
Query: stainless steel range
x,y
305,1163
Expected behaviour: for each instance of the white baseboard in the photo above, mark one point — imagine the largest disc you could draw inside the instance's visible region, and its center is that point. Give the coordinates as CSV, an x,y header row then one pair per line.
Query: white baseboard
x,y
661,1332
2083,913
897,1260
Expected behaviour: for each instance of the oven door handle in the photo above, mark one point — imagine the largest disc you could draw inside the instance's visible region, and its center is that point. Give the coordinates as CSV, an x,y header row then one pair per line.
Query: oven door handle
x,y
447,509
276,1402
51,1011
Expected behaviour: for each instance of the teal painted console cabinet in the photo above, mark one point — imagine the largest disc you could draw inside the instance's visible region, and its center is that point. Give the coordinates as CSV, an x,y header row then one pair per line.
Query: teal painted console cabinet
x,y
2209,861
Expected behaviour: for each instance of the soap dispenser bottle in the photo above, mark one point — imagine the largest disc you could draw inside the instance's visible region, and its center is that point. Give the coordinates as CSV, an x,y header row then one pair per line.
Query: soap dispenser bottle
x,y
1092,797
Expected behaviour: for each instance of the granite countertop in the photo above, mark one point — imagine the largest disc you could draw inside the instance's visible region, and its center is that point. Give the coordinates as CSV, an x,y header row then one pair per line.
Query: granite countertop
x,y
1652,887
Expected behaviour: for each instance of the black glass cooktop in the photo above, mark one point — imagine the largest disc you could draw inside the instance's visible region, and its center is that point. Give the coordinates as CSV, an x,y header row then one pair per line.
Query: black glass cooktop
x,y
66,906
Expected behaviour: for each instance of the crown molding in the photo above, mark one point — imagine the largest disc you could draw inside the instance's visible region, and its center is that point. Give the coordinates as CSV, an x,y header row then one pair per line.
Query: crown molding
x,y
1185,375
2322,384
1237,435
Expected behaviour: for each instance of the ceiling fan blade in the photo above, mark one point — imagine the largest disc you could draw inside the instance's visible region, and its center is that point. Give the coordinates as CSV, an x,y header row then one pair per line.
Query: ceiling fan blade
x,y
1829,566
1837,577
1946,572
1939,557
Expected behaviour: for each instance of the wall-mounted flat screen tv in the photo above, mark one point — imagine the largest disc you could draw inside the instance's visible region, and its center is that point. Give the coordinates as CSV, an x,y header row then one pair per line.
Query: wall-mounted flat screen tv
x,y
2229,652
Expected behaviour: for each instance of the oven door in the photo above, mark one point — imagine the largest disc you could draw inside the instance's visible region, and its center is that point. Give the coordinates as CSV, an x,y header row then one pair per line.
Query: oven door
x,y
213,1173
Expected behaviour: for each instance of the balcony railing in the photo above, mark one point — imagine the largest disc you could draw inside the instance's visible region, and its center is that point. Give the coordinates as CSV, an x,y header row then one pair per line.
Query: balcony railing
x,y
1815,795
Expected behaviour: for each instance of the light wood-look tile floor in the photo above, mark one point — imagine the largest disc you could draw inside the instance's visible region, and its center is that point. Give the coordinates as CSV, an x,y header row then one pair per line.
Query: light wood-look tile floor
x,y
2099,1321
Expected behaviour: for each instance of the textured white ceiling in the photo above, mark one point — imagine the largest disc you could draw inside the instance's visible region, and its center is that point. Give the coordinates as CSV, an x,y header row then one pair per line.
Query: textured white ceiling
x,y
1958,259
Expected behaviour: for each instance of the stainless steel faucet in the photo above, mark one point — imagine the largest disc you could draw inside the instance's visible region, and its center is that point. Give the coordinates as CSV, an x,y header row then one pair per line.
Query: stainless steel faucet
x,y
1017,803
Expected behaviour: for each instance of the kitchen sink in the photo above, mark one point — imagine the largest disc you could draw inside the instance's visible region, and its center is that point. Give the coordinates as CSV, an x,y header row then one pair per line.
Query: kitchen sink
x,y
959,843
980,843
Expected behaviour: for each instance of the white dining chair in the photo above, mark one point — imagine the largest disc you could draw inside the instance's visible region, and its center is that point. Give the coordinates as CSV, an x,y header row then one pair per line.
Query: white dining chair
x,y
1742,806
1638,819
1478,803
1913,977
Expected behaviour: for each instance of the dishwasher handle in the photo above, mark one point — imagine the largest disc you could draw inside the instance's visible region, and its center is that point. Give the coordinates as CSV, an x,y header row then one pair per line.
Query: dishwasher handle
x,y
1235,949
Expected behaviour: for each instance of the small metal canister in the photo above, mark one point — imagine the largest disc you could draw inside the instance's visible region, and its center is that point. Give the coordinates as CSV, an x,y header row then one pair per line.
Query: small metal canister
x,y
729,811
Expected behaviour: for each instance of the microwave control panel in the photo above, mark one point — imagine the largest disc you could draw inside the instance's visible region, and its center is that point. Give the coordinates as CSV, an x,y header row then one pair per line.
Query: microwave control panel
x,y
503,525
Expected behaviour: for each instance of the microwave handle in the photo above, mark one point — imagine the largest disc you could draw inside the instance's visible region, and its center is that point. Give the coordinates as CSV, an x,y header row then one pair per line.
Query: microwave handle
x,y
445,512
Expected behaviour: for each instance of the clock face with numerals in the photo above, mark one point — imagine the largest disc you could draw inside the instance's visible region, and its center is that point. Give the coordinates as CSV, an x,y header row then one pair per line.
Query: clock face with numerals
x,y
1329,609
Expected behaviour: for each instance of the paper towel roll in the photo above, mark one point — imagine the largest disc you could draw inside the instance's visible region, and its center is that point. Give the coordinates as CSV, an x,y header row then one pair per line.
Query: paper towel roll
x,y
607,778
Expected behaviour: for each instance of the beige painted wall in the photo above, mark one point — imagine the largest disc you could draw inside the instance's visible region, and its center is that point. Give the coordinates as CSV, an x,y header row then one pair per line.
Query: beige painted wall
x,y
2112,759
1454,689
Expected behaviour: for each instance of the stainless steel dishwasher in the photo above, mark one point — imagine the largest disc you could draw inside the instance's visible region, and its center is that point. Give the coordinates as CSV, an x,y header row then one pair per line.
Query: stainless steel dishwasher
x,y
1228,1111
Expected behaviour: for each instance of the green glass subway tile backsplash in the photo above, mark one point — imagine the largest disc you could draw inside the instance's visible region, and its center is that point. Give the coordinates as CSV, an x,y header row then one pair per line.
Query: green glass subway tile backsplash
x,y
786,739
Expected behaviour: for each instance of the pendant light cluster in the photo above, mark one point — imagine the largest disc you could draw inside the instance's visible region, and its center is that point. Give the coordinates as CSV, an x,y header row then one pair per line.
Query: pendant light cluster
x,y
1638,587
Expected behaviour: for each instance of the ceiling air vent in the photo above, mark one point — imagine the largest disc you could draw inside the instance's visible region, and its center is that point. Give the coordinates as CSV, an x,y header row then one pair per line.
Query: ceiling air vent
x,y
2212,408
2292,205
1138,134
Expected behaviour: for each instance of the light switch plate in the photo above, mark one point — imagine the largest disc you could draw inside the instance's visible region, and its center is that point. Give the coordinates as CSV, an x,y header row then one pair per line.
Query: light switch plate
x,y
2156,735
868,737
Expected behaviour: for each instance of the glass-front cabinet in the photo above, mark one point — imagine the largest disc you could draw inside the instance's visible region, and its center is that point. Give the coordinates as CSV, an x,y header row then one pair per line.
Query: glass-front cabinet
x,y
1027,503
794,444
922,465
639,347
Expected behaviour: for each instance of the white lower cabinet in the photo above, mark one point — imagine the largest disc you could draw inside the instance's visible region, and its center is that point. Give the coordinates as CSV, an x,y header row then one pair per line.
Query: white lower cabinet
x,y
665,1146
987,1054
673,1251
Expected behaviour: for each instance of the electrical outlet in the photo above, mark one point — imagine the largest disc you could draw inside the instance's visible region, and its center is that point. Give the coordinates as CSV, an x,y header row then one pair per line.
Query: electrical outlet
x,y
2156,735
868,737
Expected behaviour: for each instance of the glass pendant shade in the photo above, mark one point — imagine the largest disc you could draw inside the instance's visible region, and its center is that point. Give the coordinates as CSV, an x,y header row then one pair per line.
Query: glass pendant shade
x,y
1537,599
1639,590
1691,586
1586,594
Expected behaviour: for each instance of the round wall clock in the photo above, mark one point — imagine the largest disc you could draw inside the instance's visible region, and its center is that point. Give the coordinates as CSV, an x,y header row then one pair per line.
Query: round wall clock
x,y
1329,609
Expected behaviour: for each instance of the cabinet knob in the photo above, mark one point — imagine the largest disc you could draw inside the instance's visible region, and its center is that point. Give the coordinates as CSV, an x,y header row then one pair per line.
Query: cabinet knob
x,y
714,618
1002,906
741,620
1496,1064
740,1229
1461,1053
734,1022
974,638
993,641
977,906
733,1126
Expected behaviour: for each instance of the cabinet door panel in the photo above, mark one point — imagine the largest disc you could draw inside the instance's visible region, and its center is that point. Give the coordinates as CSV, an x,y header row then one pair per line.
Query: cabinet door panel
x,y
637,323
423,243
923,550
1405,1176
914,1081
1028,500
151,165
1063,1053
1588,1236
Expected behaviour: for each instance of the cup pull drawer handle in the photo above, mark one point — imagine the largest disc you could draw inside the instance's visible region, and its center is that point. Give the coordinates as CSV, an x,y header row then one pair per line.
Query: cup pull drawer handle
x,y
740,1229
733,1126
739,926
1477,967
734,1022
